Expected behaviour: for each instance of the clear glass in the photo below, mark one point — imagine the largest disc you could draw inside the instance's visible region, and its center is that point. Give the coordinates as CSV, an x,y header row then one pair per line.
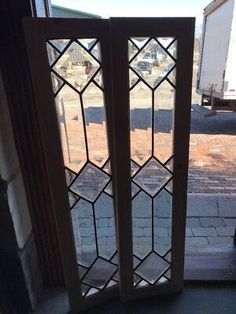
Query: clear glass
x,y
69,112
140,123
142,224
152,63
162,222
77,84
164,98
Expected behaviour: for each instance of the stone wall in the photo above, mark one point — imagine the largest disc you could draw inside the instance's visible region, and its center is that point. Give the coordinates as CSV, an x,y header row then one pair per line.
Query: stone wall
x,y
17,243
91,223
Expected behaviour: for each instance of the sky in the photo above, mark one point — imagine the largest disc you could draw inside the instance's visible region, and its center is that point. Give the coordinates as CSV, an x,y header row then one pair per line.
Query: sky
x,y
138,8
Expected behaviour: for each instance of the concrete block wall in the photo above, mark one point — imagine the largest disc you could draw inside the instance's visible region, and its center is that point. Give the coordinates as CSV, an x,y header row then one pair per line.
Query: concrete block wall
x,y
84,224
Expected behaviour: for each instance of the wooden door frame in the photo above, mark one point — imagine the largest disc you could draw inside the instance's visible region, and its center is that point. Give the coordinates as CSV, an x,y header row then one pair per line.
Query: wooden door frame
x,y
183,30
119,143
44,29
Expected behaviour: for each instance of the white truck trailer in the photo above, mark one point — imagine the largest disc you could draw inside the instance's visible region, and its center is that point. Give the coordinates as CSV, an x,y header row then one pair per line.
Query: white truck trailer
x,y
216,80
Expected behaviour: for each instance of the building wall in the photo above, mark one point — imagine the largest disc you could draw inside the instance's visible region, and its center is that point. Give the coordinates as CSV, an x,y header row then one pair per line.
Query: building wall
x,y
57,11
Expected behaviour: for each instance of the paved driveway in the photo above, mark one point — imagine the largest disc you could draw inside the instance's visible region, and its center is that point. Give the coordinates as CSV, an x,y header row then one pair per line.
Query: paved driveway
x,y
211,214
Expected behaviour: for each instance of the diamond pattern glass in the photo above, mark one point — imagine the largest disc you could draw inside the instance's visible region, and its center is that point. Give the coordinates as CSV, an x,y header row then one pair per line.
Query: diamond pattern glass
x,y
98,79
142,283
133,49
134,189
69,66
92,291
59,44
136,44
53,54
76,70
84,289
154,61
56,82
108,189
73,198
87,43
90,182
107,167
99,275
152,67
82,270
134,168
70,176
152,268
77,82
135,75
152,177
165,41
168,274
96,52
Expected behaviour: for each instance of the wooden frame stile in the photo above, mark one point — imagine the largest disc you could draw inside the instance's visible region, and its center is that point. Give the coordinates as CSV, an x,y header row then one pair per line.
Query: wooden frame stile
x,y
37,32
122,29
182,118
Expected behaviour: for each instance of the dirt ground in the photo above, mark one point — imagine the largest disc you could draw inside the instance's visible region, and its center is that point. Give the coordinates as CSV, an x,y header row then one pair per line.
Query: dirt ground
x,y
212,140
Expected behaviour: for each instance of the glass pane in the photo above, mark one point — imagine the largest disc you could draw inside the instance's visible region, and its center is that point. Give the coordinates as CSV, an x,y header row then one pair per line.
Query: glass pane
x,y
53,54
137,42
133,49
145,62
71,128
134,189
162,222
164,97
59,44
84,289
172,49
165,41
96,52
70,176
142,224
73,199
105,224
169,165
152,63
135,75
76,66
98,79
77,83
152,268
88,43
152,177
100,274
90,182
134,168
56,82
95,124
84,232
140,123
